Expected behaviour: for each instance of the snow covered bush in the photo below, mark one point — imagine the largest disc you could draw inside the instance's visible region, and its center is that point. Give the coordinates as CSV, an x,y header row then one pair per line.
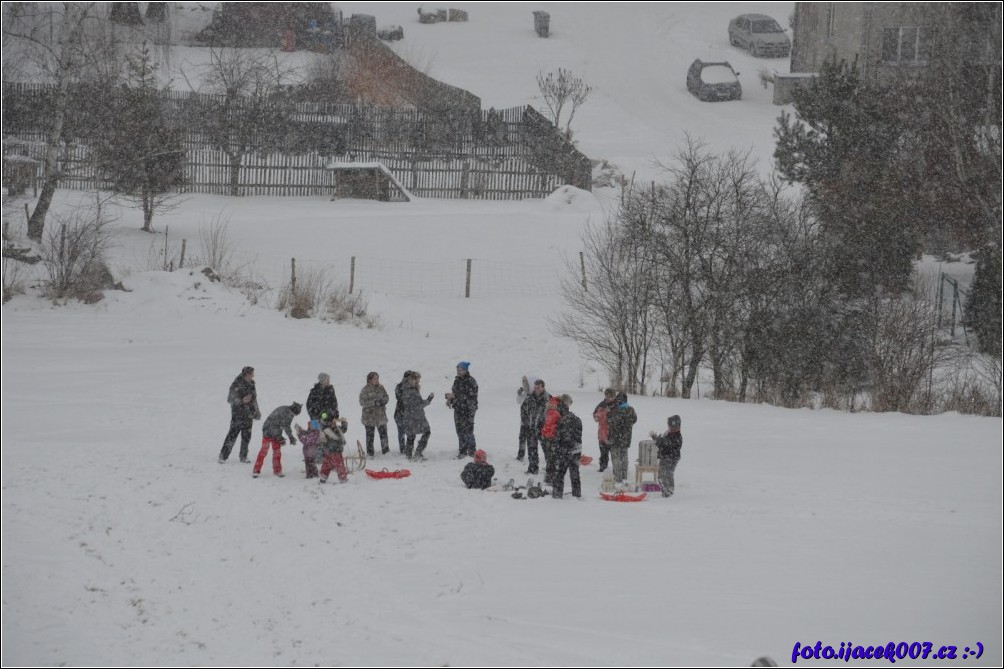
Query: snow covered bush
x,y
73,254
314,294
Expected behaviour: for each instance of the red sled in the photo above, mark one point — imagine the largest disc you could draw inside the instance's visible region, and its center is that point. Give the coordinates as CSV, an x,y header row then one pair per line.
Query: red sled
x,y
585,460
396,474
623,496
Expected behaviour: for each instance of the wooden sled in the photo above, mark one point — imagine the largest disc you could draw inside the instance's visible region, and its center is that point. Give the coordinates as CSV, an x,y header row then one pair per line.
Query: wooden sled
x,y
355,462
623,496
396,474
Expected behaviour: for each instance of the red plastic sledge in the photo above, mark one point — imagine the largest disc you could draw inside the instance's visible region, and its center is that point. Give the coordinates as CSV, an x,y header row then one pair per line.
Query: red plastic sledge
x,y
623,496
396,474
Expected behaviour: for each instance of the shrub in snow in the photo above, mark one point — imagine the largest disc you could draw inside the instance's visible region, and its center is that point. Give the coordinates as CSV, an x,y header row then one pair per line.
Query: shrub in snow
x,y
73,254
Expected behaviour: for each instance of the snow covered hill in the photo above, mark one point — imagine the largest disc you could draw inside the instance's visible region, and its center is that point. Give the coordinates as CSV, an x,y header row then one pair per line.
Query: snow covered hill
x,y
125,543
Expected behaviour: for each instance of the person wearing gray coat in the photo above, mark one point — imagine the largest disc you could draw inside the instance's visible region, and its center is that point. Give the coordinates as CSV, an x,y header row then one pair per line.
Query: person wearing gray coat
x,y
373,399
413,417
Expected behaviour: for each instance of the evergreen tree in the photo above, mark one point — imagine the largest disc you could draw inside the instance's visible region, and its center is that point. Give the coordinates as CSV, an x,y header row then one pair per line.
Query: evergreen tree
x,y
983,306
847,146
139,150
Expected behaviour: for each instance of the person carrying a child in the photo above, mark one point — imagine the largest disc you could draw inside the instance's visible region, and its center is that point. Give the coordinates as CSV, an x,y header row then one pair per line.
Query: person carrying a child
x,y
548,441
621,418
567,450
669,443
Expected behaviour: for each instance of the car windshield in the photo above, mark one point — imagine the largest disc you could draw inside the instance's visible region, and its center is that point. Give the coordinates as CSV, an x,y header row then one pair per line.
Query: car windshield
x,y
766,26
718,74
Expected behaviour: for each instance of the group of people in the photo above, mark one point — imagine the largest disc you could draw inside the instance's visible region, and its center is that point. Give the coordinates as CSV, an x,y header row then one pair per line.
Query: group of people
x,y
547,424
325,431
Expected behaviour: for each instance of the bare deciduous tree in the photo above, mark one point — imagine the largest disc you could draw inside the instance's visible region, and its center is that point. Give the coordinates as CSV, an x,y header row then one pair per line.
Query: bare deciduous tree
x,y
560,91
54,40
612,317
247,111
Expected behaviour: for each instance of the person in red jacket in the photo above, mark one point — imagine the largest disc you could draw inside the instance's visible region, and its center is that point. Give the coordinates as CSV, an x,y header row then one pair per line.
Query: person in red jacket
x,y
603,430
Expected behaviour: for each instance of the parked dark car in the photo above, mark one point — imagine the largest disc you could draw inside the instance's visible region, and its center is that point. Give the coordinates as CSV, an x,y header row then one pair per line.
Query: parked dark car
x,y
713,81
760,35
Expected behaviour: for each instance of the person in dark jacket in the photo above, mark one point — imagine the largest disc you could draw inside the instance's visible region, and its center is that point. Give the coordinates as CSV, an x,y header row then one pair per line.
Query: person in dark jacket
x,y
413,417
243,400
670,443
279,421
478,474
549,440
602,428
402,433
567,451
322,398
463,399
620,421
531,414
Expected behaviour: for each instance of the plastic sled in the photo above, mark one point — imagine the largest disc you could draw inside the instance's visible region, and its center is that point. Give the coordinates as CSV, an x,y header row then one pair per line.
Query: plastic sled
x,y
384,474
585,460
623,496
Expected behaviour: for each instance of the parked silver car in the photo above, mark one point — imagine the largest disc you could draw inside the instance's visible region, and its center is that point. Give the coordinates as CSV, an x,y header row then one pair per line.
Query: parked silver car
x,y
713,81
760,35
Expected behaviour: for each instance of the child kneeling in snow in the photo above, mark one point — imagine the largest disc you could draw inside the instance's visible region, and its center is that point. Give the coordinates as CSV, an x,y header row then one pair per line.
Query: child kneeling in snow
x,y
670,443
332,445
478,474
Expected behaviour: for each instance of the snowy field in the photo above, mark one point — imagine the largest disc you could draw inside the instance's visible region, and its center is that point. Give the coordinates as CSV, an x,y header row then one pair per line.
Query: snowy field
x,y
125,543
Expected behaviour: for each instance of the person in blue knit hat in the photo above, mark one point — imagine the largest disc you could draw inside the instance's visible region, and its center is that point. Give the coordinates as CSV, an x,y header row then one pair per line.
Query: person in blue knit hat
x,y
463,399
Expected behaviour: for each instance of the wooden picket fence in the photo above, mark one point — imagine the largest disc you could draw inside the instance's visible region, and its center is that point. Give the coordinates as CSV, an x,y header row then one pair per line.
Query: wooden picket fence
x,y
495,154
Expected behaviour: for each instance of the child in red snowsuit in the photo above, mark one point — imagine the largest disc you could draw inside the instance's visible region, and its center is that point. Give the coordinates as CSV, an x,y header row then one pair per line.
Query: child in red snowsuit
x,y
332,447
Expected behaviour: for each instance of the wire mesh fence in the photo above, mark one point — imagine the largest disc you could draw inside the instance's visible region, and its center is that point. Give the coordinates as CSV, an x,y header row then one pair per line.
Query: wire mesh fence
x,y
464,278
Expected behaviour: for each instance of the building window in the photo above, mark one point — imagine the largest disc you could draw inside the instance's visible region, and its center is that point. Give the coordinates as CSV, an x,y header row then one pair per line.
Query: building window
x,y
906,44
831,15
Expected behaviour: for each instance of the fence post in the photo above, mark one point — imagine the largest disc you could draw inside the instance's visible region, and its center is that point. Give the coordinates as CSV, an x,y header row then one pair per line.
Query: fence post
x,y
941,295
181,263
955,300
27,215
465,180
352,275
292,277
166,228
582,263
467,288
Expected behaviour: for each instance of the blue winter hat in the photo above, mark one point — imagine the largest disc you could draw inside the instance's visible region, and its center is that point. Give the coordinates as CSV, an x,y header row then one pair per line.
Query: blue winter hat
x,y
463,365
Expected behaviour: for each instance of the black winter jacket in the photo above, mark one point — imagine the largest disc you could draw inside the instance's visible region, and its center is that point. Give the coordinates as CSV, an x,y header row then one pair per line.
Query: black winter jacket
x,y
240,411
477,475
669,444
322,400
465,396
